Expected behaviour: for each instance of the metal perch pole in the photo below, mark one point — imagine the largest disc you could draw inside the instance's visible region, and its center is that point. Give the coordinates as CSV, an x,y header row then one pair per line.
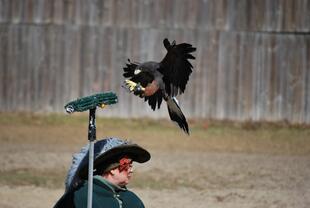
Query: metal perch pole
x,y
91,103
91,139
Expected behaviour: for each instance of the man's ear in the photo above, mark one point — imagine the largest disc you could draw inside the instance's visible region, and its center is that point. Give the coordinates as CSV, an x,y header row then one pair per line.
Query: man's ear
x,y
113,171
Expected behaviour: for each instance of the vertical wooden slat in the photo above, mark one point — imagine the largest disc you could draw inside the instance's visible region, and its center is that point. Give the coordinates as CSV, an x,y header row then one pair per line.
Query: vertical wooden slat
x,y
48,11
283,104
107,9
58,12
81,14
268,54
123,14
134,55
17,10
72,56
289,15
271,17
105,59
297,75
232,13
190,96
36,64
221,78
122,43
276,96
5,11
118,57
212,71
49,83
195,81
178,14
265,76
303,16
14,48
69,11
37,12
205,12
307,84
27,68
22,71
89,45
44,73
28,11
256,78
247,77
4,56
94,12
56,67
191,14
159,18
272,77
202,91
232,76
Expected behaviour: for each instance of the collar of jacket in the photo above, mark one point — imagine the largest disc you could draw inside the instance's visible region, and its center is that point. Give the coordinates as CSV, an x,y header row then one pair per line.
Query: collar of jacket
x,y
100,181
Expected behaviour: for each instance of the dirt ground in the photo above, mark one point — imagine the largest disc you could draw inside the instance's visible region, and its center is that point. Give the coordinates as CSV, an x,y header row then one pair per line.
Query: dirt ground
x,y
212,180
200,178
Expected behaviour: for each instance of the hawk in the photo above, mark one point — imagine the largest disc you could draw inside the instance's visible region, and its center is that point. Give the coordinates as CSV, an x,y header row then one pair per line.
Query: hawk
x,y
158,81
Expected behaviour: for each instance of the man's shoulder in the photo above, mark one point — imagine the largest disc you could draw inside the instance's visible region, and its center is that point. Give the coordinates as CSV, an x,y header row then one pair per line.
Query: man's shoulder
x,y
129,193
131,199
80,196
100,196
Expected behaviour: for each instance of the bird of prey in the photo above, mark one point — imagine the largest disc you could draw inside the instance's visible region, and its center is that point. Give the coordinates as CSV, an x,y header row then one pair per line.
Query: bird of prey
x,y
155,81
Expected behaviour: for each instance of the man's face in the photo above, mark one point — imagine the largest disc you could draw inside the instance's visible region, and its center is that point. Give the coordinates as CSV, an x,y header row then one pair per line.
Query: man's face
x,y
122,175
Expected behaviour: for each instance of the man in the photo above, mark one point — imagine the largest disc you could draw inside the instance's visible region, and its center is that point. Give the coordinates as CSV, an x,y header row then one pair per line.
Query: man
x,y
112,172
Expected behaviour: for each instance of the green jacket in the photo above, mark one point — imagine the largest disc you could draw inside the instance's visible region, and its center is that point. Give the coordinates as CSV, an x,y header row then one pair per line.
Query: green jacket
x,y
106,195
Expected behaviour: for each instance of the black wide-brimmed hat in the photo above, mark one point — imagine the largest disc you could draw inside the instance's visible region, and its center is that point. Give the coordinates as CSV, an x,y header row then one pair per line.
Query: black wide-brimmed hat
x,y
106,152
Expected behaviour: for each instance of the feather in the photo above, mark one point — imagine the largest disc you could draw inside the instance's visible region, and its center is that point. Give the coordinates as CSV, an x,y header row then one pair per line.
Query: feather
x,y
176,68
72,178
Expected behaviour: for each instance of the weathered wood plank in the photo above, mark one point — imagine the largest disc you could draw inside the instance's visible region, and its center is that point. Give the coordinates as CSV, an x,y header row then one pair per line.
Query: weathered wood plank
x,y
5,11
72,56
307,84
247,70
13,65
4,56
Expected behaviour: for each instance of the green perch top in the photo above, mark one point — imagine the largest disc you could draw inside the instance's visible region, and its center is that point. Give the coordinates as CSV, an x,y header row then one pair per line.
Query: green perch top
x,y
90,102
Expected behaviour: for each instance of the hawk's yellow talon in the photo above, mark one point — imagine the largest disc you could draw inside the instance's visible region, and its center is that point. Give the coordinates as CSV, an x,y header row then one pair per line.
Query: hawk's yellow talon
x,y
132,86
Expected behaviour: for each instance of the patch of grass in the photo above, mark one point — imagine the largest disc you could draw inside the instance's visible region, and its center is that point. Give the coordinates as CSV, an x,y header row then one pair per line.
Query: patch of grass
x,y
160,134
37,119
55,179
27,177
161,181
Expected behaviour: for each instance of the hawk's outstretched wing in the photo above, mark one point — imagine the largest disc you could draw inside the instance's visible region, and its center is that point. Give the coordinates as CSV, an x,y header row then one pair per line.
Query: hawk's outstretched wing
x,y
129,69
176,67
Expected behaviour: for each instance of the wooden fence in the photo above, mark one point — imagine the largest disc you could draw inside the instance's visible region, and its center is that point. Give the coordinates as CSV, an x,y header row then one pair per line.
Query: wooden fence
x,y
252,60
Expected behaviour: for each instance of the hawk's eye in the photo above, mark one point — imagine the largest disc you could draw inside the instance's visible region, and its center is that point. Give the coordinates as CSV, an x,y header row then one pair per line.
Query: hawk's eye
x,y
137,71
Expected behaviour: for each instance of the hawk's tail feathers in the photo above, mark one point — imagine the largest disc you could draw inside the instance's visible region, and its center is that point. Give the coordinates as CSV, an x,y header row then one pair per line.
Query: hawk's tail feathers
x,y
176,114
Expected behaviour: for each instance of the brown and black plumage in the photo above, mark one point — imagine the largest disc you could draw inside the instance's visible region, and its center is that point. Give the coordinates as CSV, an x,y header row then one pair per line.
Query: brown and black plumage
x,y
157,81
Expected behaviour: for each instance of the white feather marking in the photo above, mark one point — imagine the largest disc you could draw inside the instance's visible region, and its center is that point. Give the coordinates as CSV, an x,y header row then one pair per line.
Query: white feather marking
x,y
137,71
